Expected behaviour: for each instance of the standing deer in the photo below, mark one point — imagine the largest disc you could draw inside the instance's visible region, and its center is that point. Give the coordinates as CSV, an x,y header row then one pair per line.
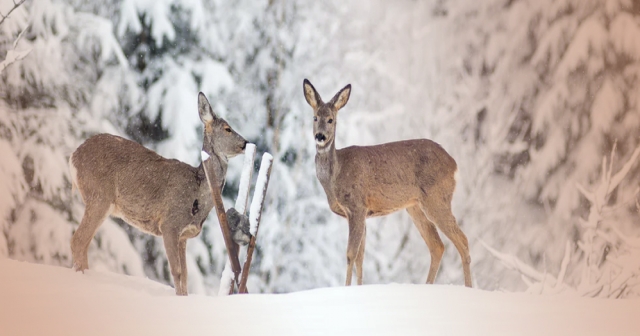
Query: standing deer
x,y
368,181
159,196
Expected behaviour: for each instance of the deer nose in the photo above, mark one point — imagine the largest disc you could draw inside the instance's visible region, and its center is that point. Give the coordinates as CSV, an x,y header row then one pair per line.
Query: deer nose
x,y
320,137
244,145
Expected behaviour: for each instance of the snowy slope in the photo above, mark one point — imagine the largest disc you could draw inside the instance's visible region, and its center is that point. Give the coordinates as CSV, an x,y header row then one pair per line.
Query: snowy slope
x,y
48,300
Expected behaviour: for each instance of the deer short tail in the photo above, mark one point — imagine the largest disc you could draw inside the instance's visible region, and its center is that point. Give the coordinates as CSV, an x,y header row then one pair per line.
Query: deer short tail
x,y
456,176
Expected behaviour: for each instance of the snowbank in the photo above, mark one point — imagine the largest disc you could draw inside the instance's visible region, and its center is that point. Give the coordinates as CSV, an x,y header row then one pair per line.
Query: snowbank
x,y
48,300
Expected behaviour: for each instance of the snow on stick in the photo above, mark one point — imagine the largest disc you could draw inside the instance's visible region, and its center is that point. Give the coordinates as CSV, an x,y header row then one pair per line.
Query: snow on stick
x,y
255,213
245,178
259,193
226,280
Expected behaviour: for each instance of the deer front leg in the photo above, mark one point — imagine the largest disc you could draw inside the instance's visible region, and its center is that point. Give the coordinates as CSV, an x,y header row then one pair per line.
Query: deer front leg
x,y
182,255
360,256
356,236
171,245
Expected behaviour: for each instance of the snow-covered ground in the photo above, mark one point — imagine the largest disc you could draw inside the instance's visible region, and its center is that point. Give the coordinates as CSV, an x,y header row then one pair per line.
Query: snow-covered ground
x,y
49,300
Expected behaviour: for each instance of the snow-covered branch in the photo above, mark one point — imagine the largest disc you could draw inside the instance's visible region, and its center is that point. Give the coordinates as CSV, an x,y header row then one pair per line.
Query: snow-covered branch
x,y
12,54
15,5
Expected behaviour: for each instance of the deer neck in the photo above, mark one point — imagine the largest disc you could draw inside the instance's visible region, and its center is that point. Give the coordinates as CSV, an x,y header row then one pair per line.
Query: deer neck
x,y
326,166
219,165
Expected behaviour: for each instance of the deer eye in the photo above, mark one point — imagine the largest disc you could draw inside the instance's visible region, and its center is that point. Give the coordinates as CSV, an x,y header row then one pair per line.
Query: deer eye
x,y
315,118
330,121
228,129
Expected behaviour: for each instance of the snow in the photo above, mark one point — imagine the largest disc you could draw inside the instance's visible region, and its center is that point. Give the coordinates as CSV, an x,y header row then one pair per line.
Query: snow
x,y
12,56
39,300
624,35
204,155
590,37
607,105
226,279
245,178
259,193
156,15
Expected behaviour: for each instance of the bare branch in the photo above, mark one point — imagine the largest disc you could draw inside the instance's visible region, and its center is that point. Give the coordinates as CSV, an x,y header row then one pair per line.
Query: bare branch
x,y
513,263
15,5
617,178
589,196
565,263
613,153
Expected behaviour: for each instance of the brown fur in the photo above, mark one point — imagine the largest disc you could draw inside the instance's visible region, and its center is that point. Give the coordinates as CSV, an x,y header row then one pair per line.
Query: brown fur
x,y
159,196
367,181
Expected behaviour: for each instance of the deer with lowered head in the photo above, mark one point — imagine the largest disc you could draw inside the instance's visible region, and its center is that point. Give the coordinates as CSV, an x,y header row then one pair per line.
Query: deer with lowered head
x,y
159,196
368,181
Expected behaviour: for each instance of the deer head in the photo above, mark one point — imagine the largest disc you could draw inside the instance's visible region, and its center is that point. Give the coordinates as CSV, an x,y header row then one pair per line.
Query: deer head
x,y
325,114
227,142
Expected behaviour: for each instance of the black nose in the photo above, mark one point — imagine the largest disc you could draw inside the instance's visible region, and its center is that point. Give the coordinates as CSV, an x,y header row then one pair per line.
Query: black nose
x,y
320,137
244,145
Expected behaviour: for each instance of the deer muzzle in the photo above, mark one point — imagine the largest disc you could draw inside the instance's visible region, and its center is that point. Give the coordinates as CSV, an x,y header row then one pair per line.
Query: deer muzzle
x,y
320,138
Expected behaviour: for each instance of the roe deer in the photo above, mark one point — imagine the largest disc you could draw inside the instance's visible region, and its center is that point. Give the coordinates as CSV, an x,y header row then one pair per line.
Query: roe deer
x,y
159,196
361,182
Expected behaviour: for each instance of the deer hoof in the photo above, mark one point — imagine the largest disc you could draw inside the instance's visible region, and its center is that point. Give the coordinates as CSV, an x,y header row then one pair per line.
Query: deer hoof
x,y
78,268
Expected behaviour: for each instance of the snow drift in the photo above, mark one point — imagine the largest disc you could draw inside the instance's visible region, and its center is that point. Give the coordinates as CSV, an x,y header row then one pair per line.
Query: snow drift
x,y
49,300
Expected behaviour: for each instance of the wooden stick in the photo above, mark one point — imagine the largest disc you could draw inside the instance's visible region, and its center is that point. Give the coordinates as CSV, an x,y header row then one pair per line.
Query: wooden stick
x,y
255,214
232,247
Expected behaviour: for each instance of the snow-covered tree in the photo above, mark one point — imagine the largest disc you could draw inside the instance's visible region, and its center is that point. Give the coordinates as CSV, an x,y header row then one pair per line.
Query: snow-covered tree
x,y
560,91
607,259
44,114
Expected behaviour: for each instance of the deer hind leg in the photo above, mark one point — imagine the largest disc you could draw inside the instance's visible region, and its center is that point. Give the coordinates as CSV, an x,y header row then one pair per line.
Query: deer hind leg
x,y
356,238
95,213
438,210
360,256
429,233
171,241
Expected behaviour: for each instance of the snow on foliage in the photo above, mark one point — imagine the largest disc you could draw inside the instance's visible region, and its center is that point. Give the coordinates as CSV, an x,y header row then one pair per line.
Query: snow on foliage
x,y
608,261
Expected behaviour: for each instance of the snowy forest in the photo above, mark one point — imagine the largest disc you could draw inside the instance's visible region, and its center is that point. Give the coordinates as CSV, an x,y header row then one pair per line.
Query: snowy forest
x,y
537,101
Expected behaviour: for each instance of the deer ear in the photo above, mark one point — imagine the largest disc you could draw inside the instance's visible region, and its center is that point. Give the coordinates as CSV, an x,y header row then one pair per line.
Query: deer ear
x,y
311,95
341,98
204,109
